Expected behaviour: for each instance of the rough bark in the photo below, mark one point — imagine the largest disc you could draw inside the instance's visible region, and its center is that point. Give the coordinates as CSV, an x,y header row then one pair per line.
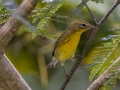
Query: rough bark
x,y
10,79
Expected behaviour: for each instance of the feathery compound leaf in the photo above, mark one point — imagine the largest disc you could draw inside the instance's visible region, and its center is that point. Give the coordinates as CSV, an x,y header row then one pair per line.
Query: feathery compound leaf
x,y
114,72
4,16
48,11
60,21
79,7
118,76
109,44
106,87
102,53
98,1
114,29
115,68
91,65
93,73
2,4
44,33
103,70
109,37
113,81
47,1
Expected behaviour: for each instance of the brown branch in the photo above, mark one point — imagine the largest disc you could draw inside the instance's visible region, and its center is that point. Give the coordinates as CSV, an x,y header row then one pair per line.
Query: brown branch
x,y
107,74
10,79
117,2
95,21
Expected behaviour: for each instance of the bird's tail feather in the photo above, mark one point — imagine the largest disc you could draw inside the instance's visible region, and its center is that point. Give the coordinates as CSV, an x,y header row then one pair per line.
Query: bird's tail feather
x,y
52,64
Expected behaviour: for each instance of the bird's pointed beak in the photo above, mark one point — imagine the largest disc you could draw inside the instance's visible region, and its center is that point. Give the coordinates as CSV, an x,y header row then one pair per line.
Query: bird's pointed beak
x,y
91,27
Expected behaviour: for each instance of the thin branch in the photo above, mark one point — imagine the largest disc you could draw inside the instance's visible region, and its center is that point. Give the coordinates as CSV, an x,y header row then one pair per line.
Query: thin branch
x,y
95,21
10,79
88,45
12,25
107,74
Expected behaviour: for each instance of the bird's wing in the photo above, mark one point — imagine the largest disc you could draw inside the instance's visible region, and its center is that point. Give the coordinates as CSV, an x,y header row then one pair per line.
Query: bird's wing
x,y
60,40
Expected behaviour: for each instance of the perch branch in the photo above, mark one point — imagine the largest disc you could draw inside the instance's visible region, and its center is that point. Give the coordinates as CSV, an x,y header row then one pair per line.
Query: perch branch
x,y
95,21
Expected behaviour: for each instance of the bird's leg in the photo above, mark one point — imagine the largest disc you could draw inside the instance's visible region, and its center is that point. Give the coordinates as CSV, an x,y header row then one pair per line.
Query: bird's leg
x,y
62,64
66,75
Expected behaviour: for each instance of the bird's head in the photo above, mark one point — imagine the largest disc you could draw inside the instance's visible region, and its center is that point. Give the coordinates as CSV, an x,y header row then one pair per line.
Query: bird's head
x,y
80,25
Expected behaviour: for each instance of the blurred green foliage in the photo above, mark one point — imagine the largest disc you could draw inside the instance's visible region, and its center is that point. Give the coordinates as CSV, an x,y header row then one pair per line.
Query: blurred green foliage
x,y
102,59
30,56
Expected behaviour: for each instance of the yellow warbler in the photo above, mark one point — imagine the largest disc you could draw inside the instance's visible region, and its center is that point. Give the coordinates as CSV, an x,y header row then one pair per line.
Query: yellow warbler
x,y
67,43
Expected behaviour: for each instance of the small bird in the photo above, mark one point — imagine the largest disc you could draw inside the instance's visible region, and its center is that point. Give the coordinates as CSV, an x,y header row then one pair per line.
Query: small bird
x,y
67,43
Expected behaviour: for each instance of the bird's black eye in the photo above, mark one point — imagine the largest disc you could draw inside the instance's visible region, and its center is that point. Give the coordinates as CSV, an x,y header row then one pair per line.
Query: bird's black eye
x,y
83,25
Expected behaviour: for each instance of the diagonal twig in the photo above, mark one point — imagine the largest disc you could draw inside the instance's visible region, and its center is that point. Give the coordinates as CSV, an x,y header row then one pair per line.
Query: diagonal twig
x,y
95,21
117,2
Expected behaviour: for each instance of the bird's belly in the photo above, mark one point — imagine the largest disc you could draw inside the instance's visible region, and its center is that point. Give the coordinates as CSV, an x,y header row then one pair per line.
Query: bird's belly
x,y
66,50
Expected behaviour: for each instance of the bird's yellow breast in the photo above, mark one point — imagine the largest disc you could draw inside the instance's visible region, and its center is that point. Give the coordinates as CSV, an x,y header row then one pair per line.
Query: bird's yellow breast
x,y
67,47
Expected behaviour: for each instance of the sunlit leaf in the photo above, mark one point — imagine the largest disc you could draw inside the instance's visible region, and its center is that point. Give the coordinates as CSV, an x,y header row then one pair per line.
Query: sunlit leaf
x,y
98,1
103,70
79,7
109,37
93,73
114,29
91,65
106,87
100,57
47,1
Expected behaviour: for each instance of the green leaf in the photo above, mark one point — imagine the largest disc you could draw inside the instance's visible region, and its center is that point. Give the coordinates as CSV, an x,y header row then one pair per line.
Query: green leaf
x,y
101,54
4,16
98,1
45,14
106,87
103,70
33,35
113,81
109,44
118,76
91,65
2,4
93,73
110,83
109,37
79,7
114,29
104,50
